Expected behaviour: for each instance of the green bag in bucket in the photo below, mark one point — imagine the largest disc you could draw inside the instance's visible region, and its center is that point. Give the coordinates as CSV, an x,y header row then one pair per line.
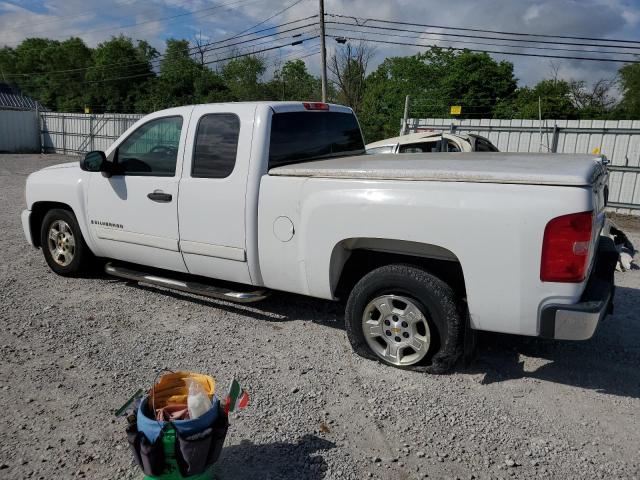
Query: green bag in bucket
x,y
172,471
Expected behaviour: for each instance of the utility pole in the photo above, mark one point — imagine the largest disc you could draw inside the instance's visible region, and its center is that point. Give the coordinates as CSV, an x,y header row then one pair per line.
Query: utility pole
x,y
540,121
323,53
405,117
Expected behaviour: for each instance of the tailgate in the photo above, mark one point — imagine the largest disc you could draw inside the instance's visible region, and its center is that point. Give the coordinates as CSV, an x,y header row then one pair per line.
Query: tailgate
x,y
600,194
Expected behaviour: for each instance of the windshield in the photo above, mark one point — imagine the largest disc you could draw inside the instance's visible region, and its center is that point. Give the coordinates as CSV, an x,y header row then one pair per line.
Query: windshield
x,y
304,136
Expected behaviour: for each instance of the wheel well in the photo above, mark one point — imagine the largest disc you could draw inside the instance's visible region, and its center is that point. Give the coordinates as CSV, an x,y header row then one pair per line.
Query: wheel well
x,y
362,261
38,211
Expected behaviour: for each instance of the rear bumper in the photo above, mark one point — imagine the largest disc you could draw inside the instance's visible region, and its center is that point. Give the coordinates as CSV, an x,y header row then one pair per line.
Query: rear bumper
x,y
579,321
26,225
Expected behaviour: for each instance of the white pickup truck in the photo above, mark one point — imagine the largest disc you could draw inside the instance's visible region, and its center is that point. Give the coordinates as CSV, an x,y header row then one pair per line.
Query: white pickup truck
x,y
425,248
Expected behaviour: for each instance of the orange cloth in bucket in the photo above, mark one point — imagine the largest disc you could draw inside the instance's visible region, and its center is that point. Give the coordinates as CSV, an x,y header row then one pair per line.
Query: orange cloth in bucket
x,y
173,388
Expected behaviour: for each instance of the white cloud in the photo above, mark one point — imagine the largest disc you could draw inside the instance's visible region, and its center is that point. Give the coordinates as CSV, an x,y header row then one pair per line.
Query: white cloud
x,y
98,20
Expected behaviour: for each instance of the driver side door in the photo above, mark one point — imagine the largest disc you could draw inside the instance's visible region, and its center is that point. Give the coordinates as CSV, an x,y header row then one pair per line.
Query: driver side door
x,y
133,214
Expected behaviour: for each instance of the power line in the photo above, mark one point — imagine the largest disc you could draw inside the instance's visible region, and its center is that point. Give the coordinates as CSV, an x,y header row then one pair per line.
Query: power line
x,y
253,53
488,38
521,54
222,47
233,37
475,43
356,19
269,18
233,57
274,61
159,58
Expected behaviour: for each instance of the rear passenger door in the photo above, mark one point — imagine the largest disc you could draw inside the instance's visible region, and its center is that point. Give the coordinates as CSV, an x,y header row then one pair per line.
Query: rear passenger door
x,y
211,204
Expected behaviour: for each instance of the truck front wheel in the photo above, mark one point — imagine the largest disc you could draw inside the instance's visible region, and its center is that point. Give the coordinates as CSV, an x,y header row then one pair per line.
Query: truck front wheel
x,y
405,317
62,243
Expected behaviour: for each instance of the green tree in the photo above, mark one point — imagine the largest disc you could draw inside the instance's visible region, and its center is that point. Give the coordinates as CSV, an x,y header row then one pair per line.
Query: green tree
x,y
435,80
26,68
294,82
629,78
476,82
182,81
70,60
385,91
348,67
242,77
594,102
552,96
48,70
119,74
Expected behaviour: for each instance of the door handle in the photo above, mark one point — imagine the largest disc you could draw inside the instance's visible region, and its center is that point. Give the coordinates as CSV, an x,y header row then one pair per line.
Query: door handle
x,y
159,196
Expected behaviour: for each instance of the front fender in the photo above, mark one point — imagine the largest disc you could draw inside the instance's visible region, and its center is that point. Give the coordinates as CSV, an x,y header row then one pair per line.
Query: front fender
x,y
62,184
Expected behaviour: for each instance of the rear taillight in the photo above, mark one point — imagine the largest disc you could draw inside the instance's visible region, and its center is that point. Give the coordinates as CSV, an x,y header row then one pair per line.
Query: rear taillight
x,y
565,248
316,106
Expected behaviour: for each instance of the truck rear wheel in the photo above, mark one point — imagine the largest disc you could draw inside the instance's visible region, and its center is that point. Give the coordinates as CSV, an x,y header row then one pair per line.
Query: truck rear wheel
x,y
62,243
403,316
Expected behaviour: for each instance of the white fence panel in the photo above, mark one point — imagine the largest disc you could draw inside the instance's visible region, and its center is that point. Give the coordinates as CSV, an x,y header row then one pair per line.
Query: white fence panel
x,y
619,140
19,131
76,133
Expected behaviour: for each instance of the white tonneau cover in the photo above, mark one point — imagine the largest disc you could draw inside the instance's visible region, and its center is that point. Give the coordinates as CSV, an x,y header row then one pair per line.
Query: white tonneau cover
x,y
525,168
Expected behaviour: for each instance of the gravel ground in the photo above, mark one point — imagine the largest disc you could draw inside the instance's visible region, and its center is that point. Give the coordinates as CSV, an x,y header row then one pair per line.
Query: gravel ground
x,y
73,350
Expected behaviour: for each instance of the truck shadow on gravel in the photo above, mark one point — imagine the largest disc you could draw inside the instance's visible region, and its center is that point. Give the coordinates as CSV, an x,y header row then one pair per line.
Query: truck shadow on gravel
x,y
607,363
274,460
278,307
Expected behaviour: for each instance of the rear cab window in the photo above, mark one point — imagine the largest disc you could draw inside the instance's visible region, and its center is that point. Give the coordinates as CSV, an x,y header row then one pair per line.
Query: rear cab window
x,y
298,137
216,146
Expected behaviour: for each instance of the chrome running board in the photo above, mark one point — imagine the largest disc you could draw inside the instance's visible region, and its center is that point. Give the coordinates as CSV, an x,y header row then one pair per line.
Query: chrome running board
x,y
186,286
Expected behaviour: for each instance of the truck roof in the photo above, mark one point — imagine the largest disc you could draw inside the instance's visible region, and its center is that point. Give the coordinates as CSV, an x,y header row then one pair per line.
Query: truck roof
x,y
288,106
486,167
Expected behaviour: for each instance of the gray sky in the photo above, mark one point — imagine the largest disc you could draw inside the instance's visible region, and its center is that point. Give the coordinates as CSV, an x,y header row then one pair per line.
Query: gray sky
x,y
98,20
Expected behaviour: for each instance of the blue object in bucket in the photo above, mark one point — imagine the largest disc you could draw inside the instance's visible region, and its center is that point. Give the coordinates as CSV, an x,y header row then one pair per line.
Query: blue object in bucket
x,y
152,427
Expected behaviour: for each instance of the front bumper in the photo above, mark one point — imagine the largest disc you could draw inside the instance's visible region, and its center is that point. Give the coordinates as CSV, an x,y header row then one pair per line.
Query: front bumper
x,y
579,321
26,225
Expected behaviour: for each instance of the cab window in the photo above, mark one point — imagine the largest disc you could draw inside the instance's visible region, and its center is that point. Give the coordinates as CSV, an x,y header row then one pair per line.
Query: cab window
x,y
152,149
298,137
214,155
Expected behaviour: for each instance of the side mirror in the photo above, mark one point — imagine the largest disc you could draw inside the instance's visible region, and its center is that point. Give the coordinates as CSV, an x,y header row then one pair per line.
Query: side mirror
x,y
95,161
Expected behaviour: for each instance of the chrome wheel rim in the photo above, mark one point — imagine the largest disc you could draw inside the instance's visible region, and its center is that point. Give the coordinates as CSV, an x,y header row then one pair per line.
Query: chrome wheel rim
x,y
396,330
62,243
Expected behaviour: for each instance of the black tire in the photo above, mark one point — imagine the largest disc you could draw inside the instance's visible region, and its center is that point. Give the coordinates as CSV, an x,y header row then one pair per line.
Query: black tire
x,y
433,297
81,255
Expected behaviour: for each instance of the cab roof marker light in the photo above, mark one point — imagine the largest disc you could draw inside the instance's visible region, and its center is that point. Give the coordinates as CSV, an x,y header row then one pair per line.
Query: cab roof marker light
x,y
315,106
